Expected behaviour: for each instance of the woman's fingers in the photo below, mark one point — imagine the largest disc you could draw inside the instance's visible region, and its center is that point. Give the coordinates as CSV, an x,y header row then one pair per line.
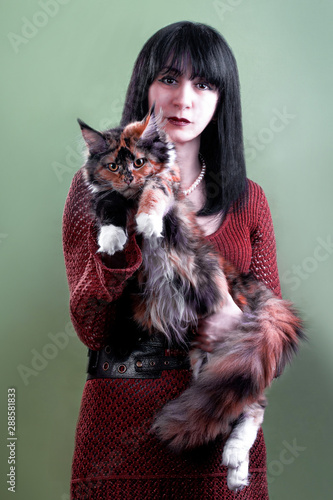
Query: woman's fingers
x,y
204,339
203,343
217,325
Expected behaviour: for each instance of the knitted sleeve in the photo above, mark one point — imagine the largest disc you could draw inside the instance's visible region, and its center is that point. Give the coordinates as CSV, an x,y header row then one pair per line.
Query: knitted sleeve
x,y
263,261
94,286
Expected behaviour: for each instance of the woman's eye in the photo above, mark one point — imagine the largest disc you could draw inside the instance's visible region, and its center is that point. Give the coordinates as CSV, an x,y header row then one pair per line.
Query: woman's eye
x,y
168,80
139,162
113,167
204,86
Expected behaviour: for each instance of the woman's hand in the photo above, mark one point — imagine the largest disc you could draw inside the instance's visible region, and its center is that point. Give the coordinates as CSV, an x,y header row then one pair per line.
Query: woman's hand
x,y
212,328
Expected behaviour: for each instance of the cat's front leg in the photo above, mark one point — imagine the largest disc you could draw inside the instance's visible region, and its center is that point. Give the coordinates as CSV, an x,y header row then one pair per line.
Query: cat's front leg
x,y
111,239
154,203
111,210
149,225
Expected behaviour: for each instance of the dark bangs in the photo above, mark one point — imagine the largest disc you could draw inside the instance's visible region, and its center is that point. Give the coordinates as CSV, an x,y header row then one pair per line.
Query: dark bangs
x,y
190,47
177,47
185,46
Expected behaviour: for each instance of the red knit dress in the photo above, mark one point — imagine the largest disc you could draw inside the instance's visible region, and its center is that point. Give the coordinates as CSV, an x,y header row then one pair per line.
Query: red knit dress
x,y
115,457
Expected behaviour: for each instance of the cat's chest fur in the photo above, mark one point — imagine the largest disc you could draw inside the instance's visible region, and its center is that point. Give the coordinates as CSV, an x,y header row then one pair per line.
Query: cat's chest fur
x,y
209,223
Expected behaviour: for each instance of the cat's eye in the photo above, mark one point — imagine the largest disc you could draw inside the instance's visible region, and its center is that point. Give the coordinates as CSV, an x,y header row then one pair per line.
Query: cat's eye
x,y
139,162
113,167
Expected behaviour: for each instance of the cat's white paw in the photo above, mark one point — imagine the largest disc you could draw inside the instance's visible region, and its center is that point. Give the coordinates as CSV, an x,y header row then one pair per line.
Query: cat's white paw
x,y
234,453
149,225
111,239
238,478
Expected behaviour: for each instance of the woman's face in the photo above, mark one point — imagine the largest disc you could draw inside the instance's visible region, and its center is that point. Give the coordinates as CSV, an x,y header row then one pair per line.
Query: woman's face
x,y
188,105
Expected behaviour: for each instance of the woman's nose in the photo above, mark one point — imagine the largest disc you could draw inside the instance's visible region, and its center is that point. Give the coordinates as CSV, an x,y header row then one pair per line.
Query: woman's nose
x,y
183,96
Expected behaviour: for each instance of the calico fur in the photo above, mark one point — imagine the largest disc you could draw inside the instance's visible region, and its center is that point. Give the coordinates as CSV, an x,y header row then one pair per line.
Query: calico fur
x,y
182,279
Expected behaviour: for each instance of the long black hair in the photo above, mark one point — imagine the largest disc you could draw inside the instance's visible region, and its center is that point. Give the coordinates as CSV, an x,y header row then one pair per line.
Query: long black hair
x,y
184,45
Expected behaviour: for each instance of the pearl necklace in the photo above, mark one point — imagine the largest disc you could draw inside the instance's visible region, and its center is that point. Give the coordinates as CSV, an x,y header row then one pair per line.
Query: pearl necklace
x,y
196,183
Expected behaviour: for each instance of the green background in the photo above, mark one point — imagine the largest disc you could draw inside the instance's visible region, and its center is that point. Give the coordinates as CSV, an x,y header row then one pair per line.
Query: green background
x,y
73,59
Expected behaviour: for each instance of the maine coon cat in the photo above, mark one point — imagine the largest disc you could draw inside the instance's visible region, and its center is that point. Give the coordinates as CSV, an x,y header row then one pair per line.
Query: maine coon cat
x,y
183,279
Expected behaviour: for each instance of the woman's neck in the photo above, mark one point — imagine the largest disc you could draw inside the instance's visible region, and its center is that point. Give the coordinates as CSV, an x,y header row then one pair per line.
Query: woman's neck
x,y
188,162
190,167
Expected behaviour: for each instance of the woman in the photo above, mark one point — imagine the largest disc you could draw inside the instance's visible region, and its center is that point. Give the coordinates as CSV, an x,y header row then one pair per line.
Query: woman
x,y
189,72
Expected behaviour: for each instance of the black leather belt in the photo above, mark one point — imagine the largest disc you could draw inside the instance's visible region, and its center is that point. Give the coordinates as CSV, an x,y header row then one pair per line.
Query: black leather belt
x,y
147,359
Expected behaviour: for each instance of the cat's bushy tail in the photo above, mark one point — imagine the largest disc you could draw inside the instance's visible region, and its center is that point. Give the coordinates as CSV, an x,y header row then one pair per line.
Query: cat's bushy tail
x,y
242,365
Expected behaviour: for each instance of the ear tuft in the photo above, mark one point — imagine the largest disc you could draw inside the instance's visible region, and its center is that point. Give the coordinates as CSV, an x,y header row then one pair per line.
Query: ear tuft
x,y
94,140
152,109
154,124
155,140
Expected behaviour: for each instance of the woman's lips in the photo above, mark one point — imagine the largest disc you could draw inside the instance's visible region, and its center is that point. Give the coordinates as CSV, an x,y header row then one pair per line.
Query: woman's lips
x,y
179,122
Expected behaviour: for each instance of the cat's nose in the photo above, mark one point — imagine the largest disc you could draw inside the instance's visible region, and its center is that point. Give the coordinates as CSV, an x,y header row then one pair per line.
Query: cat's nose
x,y
129,179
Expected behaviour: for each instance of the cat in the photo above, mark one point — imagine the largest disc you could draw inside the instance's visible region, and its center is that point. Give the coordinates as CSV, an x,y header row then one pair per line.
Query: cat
x,y
133,169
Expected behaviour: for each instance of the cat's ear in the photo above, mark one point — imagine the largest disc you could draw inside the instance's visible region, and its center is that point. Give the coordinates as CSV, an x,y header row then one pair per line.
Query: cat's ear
x,y
94,140
155,140
153,124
